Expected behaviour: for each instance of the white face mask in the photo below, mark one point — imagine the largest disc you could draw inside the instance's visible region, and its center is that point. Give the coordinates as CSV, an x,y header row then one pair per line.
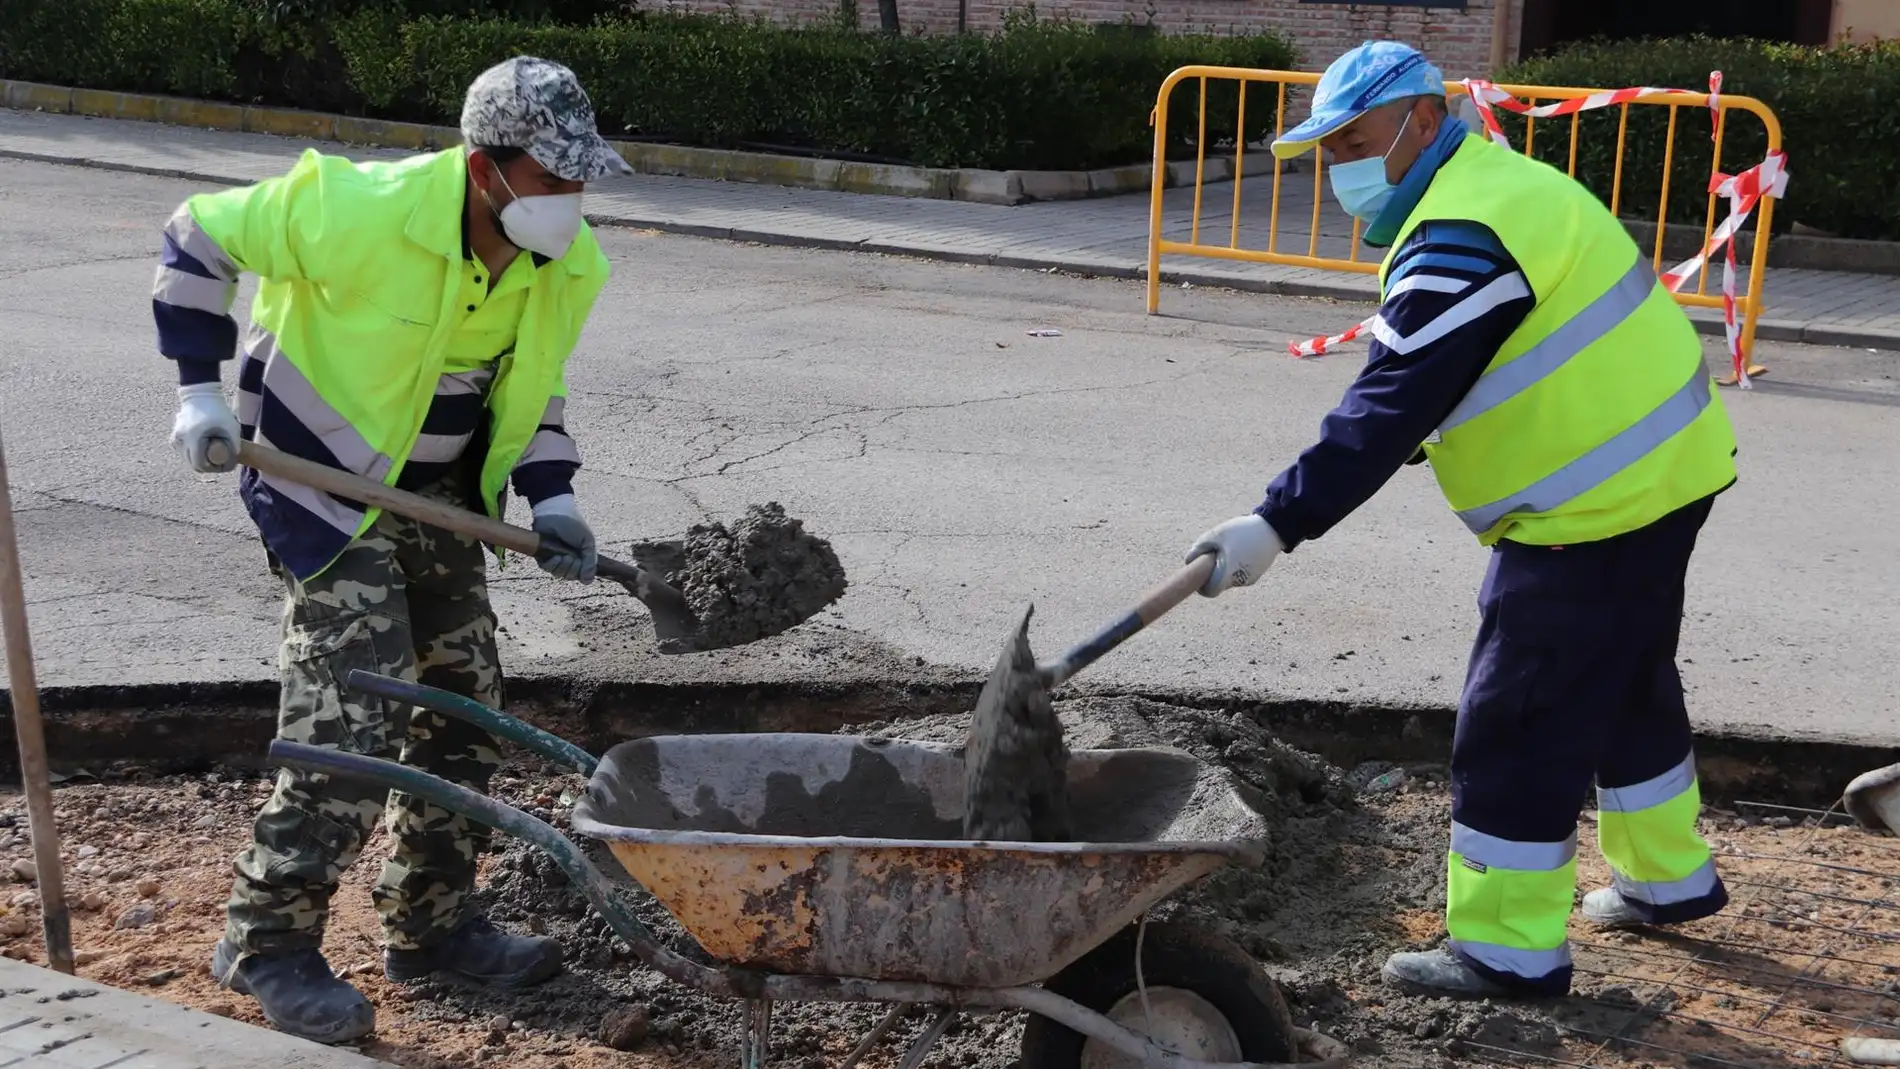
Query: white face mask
x,y
546,224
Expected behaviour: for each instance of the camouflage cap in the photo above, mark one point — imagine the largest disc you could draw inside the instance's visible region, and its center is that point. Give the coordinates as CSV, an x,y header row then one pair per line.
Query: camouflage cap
x,y
538,106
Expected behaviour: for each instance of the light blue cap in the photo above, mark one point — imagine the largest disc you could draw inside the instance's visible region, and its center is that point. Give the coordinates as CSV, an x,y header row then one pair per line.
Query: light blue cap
x,y
1375,73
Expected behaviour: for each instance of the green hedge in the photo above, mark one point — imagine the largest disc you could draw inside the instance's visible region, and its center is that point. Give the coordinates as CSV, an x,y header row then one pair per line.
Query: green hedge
x,y
1839,124
1039,95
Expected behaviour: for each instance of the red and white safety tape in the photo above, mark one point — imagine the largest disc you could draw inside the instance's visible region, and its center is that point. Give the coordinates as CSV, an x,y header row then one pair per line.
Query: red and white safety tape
x,y
1744,191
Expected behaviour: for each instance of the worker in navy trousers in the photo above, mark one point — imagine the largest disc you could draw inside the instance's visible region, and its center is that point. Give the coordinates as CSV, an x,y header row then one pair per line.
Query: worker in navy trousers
x,y
1525,349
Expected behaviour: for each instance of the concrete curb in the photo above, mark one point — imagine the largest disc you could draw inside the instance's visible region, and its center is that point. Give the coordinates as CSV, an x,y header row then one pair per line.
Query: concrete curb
x,y
1811,252
684,161
1781,330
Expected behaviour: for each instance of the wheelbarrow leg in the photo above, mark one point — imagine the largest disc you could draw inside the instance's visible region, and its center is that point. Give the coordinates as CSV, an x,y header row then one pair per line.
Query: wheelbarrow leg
x,y
870,1039
495,722
755,1034
915,1057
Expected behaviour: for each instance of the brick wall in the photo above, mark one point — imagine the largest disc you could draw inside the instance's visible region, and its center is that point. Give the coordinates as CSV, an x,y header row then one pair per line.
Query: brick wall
x,y
1459,42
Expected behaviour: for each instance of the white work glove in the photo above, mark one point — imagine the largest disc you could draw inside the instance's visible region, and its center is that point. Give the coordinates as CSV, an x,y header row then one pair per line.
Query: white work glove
x,y
204,416
1243,548
567,544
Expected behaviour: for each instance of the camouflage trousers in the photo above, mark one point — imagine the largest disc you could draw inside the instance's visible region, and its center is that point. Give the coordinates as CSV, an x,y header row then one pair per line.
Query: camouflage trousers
x,y
404,600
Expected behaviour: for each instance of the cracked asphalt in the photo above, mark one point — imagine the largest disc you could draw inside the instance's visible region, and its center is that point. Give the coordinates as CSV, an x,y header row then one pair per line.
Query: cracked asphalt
x,y
961,467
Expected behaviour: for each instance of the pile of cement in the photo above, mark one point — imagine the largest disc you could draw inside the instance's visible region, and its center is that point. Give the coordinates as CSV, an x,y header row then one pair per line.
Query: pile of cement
x,y
763,575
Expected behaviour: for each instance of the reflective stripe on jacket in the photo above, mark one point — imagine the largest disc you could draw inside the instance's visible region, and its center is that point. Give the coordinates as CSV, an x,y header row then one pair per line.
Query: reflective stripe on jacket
x,y
1597,416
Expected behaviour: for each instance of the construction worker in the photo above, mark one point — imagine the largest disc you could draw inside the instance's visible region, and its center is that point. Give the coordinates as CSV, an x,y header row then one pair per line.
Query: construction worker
x,y
412,322
1524,348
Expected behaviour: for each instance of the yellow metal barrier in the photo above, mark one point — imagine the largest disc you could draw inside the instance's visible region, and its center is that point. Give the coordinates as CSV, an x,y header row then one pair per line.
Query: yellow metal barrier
x,y
1748,304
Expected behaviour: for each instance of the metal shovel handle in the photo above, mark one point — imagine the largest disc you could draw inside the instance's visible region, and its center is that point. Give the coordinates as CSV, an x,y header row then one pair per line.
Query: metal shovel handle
x,y
1152,606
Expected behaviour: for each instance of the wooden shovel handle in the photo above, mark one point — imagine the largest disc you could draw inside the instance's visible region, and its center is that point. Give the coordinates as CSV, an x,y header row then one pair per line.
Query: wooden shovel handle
x,y
1190,578
355,487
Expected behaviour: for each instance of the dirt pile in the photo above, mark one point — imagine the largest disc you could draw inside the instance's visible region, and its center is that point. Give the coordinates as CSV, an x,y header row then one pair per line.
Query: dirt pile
x,y
754,579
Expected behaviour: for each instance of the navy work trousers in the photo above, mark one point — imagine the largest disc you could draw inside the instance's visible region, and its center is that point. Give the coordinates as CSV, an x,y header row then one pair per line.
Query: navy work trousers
x,y
1572,680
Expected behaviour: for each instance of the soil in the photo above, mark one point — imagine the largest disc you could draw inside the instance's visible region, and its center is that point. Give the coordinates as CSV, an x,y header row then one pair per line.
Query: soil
x,y
759,577
1807,953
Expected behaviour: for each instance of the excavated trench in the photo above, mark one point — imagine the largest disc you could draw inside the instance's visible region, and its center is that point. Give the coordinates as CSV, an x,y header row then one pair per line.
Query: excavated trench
x,y
190,727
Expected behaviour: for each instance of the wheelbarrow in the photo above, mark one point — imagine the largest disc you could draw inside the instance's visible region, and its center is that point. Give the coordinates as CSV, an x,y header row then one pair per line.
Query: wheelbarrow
x,y
829,868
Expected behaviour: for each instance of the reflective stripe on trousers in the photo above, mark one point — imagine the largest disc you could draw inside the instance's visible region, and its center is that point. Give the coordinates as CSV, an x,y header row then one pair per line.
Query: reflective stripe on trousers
x,y
1603,463
1648,834
1507,902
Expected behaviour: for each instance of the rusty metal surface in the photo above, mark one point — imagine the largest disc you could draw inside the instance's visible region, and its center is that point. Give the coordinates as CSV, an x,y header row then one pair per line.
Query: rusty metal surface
x,y
831,855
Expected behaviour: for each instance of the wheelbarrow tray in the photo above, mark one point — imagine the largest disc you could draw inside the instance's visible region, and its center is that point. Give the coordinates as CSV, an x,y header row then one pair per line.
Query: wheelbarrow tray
x,y
838,855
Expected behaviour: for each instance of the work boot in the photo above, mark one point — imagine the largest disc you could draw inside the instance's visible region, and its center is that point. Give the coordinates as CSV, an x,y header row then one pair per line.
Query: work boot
x,y
1608,909
297,992
1438,972
480,952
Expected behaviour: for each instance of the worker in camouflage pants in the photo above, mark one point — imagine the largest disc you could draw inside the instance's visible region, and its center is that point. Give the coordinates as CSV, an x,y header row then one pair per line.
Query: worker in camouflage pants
x,y
405,600
412,325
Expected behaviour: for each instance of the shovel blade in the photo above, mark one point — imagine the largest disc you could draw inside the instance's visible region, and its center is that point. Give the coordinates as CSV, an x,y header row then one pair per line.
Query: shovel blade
x,y
1015,764
673,619
742,618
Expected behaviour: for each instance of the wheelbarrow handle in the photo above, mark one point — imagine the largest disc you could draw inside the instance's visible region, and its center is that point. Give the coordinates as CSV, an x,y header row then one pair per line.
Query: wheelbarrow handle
x,y
506,818
470,711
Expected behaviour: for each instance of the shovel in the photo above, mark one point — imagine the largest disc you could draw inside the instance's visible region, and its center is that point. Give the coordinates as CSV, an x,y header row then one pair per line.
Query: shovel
x,y
673,618
1016,700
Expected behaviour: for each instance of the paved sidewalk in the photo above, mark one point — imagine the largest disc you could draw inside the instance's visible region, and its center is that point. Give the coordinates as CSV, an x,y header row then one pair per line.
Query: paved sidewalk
x,y
1106,236
50,1021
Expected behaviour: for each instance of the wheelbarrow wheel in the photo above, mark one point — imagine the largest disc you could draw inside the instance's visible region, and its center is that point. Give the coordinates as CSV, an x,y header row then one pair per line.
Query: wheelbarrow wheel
x,y
1208,999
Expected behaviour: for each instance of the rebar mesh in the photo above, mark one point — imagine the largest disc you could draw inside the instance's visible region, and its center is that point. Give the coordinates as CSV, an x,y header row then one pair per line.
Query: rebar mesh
x,y
1806,955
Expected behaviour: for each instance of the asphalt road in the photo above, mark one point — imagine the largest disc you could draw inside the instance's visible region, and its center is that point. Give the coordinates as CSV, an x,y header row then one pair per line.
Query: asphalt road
x,y
962,468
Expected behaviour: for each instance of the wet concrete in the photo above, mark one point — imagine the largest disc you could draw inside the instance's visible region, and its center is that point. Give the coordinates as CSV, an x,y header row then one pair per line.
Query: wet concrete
x,y
760,577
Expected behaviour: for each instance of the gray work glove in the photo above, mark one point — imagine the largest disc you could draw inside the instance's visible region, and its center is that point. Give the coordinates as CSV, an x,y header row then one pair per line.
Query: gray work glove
x,y
567,544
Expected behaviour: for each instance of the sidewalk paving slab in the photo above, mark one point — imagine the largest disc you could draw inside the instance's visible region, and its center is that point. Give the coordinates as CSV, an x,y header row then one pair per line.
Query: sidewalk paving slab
x,y
1105,236
52,1021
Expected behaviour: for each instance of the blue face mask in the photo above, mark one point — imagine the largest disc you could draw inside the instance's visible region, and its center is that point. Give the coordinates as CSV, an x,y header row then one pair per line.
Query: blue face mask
x,y
1360,186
